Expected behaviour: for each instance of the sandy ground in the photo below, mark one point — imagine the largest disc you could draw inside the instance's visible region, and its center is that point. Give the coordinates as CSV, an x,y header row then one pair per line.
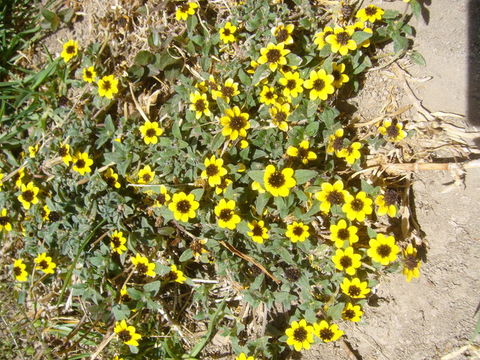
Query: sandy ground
x,y
433,317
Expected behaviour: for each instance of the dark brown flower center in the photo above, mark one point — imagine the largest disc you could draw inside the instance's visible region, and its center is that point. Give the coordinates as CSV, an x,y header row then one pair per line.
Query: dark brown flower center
x,y
392,131
298,230
337,75
4,220
125,335
226,32
390,197
303,153
43,264
276,179
54,216
227,91
346,261
319,84
335,197
28,195
183,206
338,143
269,95
151,132
411,262
326,334
357,205
196,247
273,55
106,85
300,334
184,7
280,116
70,49
146,177
88,74
226,214
370,10
142,268
237,122
384,250
200,105
161,199
63,151
354,290
125,298
116,241
349,314
343,234
257,230
281,35
111,181
17,271
291,84
211,170
342,38
80,163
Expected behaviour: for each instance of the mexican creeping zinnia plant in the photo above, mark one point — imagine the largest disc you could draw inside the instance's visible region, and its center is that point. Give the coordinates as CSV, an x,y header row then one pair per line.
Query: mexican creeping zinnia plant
x,y
108,86
341,233
150,131
70,50
199,104
258,232
321,84
383,249
45,263
19,270
355,288
331,195
226,217
357,207
127,334
411,264
81,163
143,266
214,171
183,206
227,33
327,332
28,197
278,182
273,55
5,223
297,232
300,335
235,123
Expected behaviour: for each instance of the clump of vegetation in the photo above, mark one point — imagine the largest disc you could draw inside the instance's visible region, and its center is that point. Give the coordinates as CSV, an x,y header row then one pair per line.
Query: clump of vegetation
x,y
216,178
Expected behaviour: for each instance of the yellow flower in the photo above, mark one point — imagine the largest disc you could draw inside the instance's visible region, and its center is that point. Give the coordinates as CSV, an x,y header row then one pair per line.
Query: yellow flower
x,y
222,186
320,83
340,41
300,335
360,26
163,198
116,357
198,248
253,66
356,208
18,177
19,270
184,10
319,38
5,221
257,187
383,249
351,153
70,49
335,142
355,288
292,84
227,33
117,242
303,152
45,213
243,145
146,175
243,356
176,275
199,104
339,78
32,151
283,33
352,312
214,171
297,232
89,74
268,96
81,163
235,123
278,183
45,263
28,195
274,55
183,206
64,152
124,296
411,264
392,132
280,113
258,232
150,130
126,333
386,203
341,233
371,13
1,183
226,91
327,332
143,266
346,260
108,86
226,217
331,195
111,178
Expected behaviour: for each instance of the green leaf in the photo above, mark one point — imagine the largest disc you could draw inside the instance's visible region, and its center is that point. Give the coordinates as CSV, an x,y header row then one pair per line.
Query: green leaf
x,y
192,22
363,64
186,255
372,233
52,18
417,58
153,286
328,116
302,176
120,312
312,128
335,311
198,193
261,202
391,14
416,8
256,175
244,77
360,36
261,72
294,60
312,107
144,58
